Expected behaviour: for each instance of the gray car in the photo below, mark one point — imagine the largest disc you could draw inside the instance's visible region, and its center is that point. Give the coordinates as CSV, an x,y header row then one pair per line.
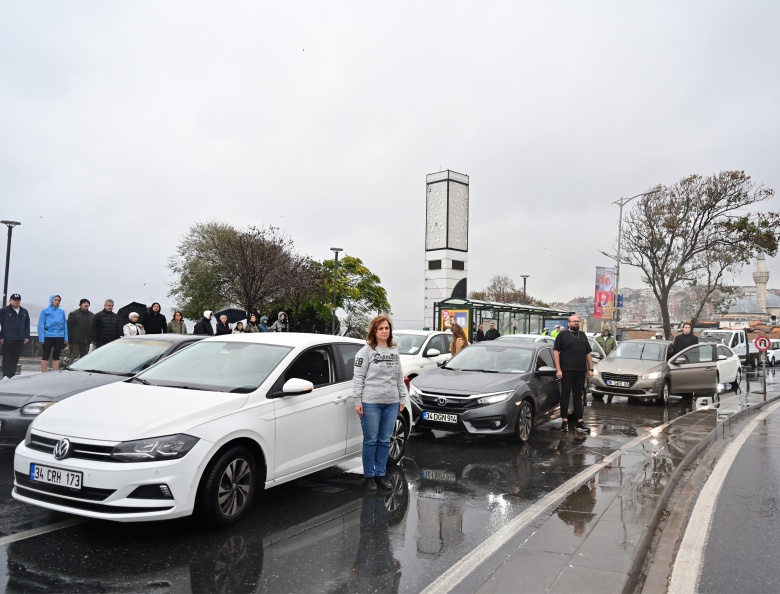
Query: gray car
x,y
26,396
651,369
492,388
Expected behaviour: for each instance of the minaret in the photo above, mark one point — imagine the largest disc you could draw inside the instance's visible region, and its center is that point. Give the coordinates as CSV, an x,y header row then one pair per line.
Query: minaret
x,y
761,278
446,239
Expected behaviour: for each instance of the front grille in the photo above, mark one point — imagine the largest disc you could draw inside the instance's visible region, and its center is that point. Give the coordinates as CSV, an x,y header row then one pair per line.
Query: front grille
x,y
91,493
82,451
619,377
453,405
85,505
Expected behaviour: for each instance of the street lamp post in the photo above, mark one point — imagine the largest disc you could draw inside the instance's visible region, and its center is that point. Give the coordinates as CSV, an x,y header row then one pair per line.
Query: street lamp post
x,y
336,251
621,203
525,295
10,225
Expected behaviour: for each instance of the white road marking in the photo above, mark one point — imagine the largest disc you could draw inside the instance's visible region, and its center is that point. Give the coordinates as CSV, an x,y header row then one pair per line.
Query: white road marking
x,y
447,581
687,565
42,530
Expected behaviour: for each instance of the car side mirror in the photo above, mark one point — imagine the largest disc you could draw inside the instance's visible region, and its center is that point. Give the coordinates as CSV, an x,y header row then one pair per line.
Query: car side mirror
x,y
432,353
546,371
680,361
294,387
722,357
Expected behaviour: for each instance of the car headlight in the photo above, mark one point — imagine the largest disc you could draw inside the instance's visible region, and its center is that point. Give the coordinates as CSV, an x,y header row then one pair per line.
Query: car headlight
x,y
36,408
595,371
495,398
415,394
652,376
169,447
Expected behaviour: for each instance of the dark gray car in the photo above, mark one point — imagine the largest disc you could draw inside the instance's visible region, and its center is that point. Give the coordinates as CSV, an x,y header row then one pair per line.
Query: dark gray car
x,y
24,397
493,387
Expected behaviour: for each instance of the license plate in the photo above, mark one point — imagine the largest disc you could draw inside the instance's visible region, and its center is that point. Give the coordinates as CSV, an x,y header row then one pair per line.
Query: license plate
x,y
444,476
55,476
444,418
619,384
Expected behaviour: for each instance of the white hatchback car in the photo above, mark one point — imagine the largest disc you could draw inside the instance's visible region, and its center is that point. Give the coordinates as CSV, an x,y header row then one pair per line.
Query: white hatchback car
x,y
422,350
199,431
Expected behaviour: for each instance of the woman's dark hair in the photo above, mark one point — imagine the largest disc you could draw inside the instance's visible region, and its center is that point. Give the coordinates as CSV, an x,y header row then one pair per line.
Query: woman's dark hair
x,y
253,316
239,324
178,312
371,336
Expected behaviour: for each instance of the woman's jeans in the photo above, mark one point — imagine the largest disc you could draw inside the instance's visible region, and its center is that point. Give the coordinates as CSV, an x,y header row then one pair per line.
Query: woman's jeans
x,y
377,421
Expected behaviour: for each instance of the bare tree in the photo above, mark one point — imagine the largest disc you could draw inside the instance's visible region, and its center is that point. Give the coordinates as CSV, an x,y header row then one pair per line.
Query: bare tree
x,y
676,234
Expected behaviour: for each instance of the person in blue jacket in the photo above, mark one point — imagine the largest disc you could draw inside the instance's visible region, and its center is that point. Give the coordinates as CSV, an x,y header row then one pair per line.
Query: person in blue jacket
x,y
52,333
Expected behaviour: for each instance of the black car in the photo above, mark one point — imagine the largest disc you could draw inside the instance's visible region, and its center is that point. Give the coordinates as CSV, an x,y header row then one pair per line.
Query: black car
x,y
492,387
24,397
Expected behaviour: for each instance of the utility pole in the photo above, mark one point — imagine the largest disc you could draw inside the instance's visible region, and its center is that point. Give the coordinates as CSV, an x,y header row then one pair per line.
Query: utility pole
x,y
336,251
10,225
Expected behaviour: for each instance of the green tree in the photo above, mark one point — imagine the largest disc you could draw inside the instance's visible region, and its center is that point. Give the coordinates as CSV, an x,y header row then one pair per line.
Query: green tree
x,y
697,230
358,292
502,289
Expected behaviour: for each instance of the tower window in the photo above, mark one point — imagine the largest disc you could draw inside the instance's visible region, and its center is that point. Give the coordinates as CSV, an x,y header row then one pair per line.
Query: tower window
x,y
458,265
434,264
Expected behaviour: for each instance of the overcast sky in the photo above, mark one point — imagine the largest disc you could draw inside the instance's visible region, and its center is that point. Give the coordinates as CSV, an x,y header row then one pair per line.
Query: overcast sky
x,y
122,123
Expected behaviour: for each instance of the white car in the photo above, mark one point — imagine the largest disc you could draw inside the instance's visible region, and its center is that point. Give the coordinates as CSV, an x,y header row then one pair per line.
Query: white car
x,y
773,354
421,350
729,367
200,431
528,338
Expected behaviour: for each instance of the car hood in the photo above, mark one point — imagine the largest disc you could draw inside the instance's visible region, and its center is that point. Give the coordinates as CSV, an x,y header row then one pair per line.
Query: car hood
x,y
54,385
468,382
630,366
125,411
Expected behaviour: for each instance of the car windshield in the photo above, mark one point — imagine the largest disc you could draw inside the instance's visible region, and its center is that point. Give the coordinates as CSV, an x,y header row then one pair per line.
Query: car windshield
x,y
723,337
122,357
409,344
646,351
492,358
217,366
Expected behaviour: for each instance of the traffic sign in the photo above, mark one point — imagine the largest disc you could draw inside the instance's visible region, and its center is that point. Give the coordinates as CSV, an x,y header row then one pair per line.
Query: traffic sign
x,y
762,343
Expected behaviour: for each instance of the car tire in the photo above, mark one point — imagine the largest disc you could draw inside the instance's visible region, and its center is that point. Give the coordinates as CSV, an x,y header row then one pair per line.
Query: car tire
x,y
598,396
738,377
398,440
525,421
227,488
663,397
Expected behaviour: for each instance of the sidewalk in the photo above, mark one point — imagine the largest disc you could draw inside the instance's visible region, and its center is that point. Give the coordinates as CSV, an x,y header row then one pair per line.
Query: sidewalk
x,y
596,537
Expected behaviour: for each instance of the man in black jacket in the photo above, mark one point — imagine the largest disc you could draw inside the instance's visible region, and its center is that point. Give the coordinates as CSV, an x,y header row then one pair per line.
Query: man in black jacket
x,y
81,330
686,339
571,353
14,333
492,333
107,325
155,322
203,326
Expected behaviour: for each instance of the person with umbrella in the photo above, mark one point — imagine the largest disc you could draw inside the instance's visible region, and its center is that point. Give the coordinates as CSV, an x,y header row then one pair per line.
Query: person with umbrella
x,y
281,324
203,326
222,326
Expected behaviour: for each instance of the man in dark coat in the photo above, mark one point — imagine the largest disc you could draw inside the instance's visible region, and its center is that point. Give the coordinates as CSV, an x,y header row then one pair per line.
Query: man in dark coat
x,y
14,333
480,333
686,339
155,322
81,330
203,326
107,325
492,333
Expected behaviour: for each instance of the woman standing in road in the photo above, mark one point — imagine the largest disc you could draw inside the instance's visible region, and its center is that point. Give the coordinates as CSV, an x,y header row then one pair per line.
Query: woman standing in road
x,y
177,325
52,333
459,340
133,328
379,389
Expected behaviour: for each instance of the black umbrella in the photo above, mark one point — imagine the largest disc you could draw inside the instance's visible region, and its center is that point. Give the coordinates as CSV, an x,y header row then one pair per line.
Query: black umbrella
x,y
234,315
139,308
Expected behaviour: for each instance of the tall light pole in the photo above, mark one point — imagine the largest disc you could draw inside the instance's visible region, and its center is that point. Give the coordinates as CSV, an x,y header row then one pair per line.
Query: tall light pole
x,y
335,276
10,225
525,295
621,203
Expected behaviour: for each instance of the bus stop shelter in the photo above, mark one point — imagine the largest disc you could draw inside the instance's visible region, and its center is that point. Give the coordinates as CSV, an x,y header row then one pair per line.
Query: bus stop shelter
x,y
509,318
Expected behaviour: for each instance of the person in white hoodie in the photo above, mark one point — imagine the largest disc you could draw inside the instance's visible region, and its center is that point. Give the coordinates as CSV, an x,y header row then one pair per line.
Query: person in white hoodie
x,y
133,328
379,391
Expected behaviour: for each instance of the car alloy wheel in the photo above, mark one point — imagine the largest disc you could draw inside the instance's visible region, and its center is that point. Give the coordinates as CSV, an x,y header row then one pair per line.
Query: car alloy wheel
x,y
227,488
738,377
663,398
525,420
398,440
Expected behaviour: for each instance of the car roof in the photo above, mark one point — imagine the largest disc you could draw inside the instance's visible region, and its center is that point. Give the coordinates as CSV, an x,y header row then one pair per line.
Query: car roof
x,y
288,339
172,338
535,346
650,340
418,332
534,336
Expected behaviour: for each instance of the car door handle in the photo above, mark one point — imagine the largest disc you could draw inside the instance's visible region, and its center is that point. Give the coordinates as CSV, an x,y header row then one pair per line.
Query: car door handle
x,y
341,399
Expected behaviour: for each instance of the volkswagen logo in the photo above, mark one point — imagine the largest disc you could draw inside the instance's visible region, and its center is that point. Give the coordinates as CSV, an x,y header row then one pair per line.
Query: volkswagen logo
x,y
62,449
441,401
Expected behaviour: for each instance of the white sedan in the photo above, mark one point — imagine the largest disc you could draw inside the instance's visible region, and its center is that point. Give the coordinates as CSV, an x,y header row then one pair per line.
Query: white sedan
x,y
729,367
200,431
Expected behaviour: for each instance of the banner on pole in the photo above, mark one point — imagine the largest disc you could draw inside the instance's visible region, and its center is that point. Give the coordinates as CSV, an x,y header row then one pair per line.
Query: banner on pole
x,y
604,298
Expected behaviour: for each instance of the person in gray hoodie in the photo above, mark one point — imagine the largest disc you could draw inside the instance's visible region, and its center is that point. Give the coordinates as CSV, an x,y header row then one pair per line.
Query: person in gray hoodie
x,y
281,324
379,391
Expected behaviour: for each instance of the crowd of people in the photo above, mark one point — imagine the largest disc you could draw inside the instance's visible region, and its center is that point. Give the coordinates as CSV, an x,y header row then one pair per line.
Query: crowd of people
x,y
82,330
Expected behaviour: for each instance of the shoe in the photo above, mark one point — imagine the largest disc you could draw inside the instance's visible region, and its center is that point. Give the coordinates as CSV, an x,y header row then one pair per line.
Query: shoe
x,y
565,426
581,427
384,483
370,484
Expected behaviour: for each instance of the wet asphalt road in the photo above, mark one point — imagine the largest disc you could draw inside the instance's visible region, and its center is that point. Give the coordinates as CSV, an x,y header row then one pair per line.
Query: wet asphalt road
x,y
322,533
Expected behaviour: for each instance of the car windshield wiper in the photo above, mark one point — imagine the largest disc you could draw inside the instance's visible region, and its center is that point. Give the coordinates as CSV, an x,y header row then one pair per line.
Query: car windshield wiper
x,y
98,371
141,380
481,370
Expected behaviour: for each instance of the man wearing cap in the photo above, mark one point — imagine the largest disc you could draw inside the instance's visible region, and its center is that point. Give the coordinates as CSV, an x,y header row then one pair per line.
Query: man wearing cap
x,y
81,330
14,333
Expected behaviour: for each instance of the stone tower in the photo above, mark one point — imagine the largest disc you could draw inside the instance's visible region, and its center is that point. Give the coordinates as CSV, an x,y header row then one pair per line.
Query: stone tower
x,y
446,239
761,278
